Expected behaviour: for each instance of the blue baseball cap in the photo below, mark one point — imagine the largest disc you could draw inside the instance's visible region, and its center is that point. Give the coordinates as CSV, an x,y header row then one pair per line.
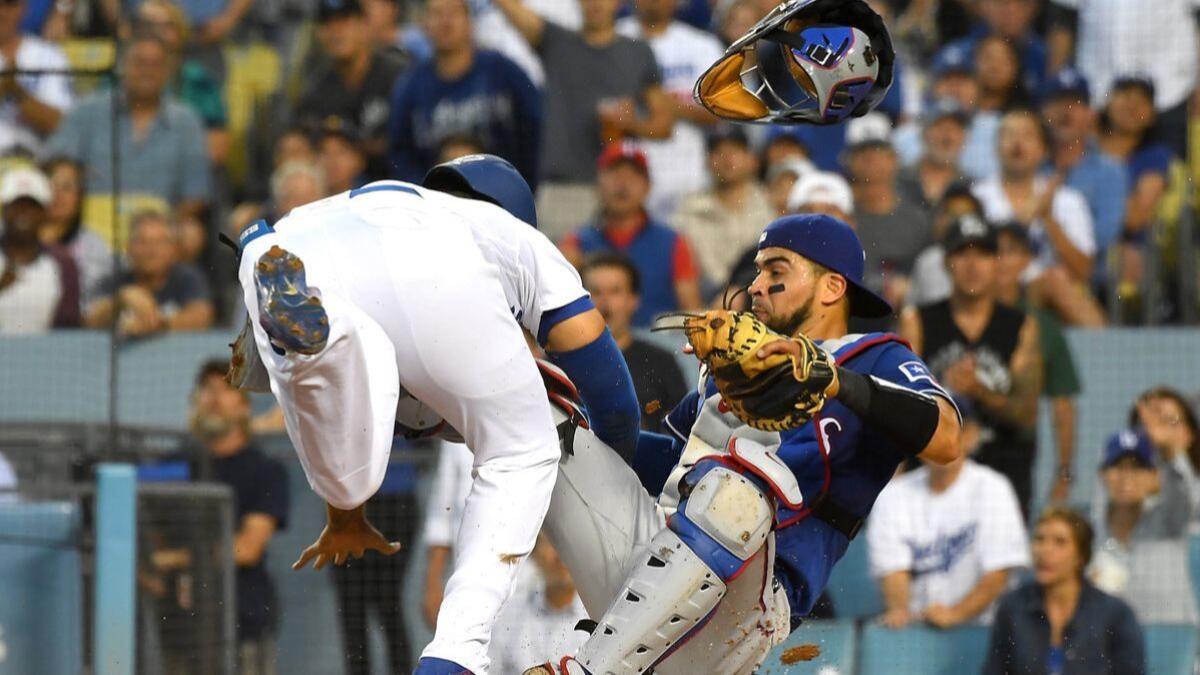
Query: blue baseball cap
x,y
953,60
828,241
1067,83
1128,443
488,178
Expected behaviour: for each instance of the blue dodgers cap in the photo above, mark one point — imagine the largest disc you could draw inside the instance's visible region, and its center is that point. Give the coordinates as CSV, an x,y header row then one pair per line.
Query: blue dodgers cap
x,y
828,241
489,178
953,60
1128,443
1067,83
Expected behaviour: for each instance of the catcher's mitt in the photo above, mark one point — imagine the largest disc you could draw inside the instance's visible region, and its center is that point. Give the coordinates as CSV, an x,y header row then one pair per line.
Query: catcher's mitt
x,y
780,392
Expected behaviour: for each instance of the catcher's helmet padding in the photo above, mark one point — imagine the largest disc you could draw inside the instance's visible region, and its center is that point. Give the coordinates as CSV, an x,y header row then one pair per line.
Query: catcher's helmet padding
x,y
808,61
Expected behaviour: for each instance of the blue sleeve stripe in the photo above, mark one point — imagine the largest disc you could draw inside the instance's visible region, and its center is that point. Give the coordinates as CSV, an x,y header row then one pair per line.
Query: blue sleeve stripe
x,y
552,318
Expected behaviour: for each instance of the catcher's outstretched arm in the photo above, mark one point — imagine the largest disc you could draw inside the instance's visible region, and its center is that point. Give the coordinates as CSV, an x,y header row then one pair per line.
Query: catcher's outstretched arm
x,y
920,424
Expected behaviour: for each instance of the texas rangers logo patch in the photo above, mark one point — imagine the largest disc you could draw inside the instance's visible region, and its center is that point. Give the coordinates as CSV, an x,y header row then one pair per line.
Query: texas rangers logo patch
x,y
916,371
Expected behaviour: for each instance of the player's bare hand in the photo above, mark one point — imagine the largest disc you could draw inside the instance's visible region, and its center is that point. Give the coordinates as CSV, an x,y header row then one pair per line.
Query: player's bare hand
x,y
781,346
347,535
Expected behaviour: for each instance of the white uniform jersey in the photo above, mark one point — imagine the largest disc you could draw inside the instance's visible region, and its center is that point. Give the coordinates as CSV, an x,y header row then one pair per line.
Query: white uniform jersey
x,y
534,275
421,289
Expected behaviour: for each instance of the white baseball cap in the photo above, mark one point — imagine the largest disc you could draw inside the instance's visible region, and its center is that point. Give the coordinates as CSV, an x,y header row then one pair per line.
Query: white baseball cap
x,y
821,187
24,181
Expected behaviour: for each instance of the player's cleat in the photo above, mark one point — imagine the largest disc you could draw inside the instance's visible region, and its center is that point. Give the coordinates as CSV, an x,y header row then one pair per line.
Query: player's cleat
x,y
288,310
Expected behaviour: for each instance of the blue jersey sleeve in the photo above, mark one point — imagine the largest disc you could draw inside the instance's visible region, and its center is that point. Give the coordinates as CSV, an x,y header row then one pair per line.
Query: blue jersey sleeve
x,y
898,365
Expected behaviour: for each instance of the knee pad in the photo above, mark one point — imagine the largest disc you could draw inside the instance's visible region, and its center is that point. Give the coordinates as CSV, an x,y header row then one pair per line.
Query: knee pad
x,y
726,517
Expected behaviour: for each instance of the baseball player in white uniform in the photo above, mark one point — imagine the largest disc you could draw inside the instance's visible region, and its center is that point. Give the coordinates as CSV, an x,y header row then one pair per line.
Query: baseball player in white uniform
x,y
396,308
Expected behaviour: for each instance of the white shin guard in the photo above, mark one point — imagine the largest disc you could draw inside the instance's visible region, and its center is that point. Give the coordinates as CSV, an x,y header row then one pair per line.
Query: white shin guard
x,y
673,588
667,594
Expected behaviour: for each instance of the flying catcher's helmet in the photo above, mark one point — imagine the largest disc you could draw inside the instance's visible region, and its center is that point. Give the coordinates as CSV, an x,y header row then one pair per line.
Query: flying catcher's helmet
x,y
807,62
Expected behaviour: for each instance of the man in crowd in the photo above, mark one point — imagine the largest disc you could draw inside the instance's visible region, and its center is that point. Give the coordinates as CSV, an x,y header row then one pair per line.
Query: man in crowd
x,y
670,278
1102,181
892,228
1057,217
985,352
1107,39
33,103
952,85
39,286
463,91
614,284
191,81
220,421
157,293
944,539
930,281
601,87
356,82
684,53
943,136
164,160
728,218
1060,381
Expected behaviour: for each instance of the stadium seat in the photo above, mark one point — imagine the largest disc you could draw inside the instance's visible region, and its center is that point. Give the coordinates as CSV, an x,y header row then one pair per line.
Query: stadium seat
x,y
1170,649
836,641
89,54
855,594
41,586
255,74
922,651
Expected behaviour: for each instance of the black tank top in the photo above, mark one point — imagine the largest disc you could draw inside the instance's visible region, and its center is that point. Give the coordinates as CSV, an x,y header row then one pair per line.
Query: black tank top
x,y
1004,447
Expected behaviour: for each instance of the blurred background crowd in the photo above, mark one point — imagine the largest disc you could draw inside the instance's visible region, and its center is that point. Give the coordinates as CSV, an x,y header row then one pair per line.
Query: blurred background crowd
x,y
1029,175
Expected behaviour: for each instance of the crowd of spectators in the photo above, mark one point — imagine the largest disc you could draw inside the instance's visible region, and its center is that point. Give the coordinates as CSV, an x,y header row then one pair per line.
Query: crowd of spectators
x,y
1022,175
1059,116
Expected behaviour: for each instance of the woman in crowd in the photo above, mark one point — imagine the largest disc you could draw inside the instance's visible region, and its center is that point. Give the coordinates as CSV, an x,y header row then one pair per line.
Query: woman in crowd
x,y
1170,422
1058,623
64,226
998,71
1142,516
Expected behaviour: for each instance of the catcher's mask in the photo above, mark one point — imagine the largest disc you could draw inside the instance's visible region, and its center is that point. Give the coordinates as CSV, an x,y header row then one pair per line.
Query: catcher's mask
x,y
808,61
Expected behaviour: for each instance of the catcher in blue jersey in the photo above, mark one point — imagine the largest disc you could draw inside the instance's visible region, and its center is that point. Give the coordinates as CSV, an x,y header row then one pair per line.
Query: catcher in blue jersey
x,y
769,470
720,543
